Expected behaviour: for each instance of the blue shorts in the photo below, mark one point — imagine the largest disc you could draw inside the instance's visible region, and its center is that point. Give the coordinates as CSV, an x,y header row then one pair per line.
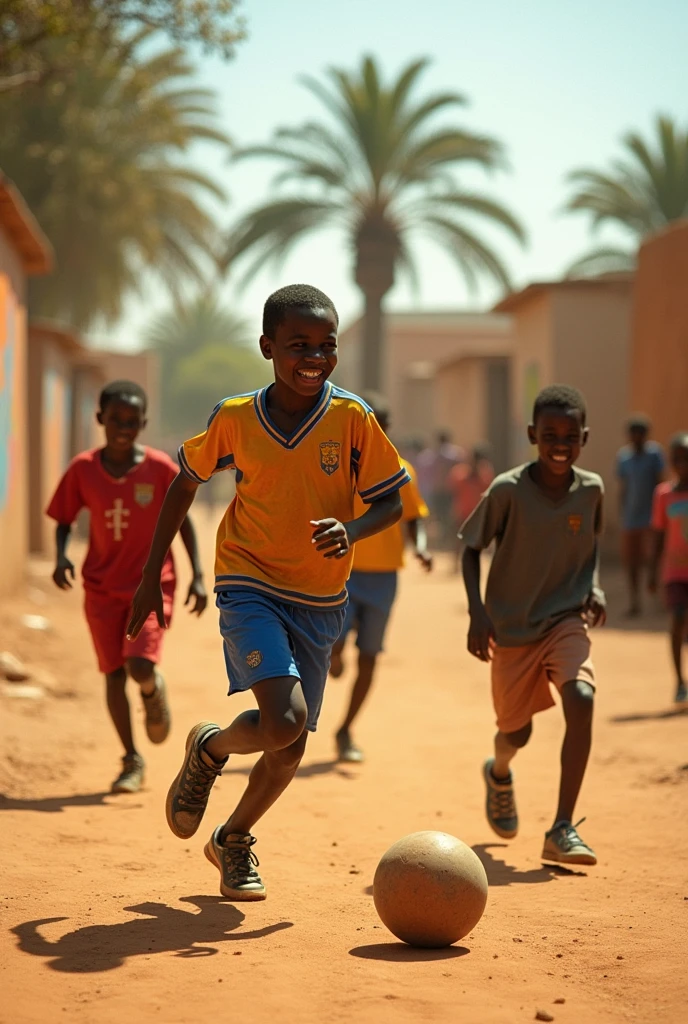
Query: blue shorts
x,y
266,639
371,596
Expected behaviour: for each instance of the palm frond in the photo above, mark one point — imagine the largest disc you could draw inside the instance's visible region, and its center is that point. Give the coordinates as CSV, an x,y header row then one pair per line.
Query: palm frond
x,y
603,260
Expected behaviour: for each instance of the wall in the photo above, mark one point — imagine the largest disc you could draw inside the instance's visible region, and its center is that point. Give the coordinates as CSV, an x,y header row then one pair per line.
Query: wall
x,y
592,335
532,366
659,352
13,444
461,401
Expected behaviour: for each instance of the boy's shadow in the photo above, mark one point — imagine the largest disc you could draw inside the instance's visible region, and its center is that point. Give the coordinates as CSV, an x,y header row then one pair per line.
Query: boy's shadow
x,y
500,873
55,804
308,771
164,929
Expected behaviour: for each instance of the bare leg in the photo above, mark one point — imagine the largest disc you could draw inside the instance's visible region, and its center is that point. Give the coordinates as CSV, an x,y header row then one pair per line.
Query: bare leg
x,y
360,690
118,706
634,561
507,745
679,623
578,700
268,780
143,672
336,660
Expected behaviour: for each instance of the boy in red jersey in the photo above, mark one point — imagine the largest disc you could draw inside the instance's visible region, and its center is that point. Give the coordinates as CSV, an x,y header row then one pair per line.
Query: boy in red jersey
x,y
123,486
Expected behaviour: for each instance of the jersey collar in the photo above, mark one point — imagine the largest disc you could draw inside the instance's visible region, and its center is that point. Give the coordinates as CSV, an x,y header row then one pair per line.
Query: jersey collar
x,y
304,428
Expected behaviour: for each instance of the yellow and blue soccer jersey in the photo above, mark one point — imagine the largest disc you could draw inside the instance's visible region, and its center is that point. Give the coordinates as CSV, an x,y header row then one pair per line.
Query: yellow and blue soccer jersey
x,y
384,552
264,544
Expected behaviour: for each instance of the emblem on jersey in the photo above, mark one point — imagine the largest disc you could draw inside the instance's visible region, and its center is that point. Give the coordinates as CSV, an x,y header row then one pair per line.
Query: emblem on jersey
x,y
143,494
329,456
575,524
254,659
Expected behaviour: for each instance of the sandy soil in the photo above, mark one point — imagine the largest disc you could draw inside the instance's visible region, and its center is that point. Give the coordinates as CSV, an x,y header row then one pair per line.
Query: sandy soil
x,y
107,918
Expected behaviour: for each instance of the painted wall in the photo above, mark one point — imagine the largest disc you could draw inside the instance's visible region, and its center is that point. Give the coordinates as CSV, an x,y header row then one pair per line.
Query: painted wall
x,y
659,358
13,443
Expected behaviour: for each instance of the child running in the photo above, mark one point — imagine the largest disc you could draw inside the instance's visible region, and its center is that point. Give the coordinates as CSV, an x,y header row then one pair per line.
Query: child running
x,y
670,525
301,449
372,587
542,591
123,486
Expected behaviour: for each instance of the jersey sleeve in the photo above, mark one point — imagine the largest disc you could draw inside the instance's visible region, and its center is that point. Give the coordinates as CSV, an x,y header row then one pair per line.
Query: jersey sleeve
x,y
659,510
412,504
376,463
488,519
67,501
210,452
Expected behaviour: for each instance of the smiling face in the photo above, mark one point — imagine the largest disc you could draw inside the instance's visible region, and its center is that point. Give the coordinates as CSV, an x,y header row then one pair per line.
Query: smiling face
x,y
123,420
304,350
559,436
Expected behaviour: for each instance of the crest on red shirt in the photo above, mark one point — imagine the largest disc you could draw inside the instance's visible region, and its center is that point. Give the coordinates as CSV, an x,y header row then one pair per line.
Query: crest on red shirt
x,y
143,494
575,524
329,456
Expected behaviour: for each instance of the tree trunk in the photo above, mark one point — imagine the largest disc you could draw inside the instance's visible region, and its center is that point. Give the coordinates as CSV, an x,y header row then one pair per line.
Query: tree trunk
x,y
373,344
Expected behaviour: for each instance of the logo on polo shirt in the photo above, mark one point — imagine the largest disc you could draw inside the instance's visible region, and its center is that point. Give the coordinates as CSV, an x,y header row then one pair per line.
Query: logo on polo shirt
x,y
254,659
575,524
329,456
143,494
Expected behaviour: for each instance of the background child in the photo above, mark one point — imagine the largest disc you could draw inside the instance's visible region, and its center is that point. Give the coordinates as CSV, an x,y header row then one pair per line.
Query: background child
x,y
301,449
639,468
670,525
372,587
468,481
545,518
123,486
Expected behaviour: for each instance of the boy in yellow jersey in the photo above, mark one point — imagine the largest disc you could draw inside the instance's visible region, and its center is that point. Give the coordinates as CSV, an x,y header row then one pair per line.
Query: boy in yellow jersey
x,y
302,449
372,588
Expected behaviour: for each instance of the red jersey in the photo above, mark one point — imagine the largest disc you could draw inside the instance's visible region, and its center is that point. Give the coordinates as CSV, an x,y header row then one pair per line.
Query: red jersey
x,y
124,513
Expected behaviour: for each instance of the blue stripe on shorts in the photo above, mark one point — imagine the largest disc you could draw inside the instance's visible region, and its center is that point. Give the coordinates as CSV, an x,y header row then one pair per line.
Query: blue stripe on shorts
x,y
268,639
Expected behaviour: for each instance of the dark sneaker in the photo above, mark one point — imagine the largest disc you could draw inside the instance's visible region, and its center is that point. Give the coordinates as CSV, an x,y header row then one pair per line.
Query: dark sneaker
x,y
188,795
237,863
500,803
158,718
347,749
130,779
681,695
564,846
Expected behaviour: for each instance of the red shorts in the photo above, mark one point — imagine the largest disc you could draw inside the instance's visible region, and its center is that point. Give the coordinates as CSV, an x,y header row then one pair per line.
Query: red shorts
x,y
107,619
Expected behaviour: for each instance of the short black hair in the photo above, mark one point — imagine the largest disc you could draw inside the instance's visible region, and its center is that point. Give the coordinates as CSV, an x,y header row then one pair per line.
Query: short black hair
x,y
294,296
122,391
639,421
678,441
562,397
378,403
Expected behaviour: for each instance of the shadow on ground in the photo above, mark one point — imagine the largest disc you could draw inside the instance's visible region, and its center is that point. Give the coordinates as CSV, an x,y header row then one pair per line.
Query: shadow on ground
x,y
55,804
500,873
399,952
305,771
650,716
163,929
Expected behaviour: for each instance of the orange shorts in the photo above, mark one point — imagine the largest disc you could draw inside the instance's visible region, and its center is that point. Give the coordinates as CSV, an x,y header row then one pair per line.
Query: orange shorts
x,y
521,676
107,619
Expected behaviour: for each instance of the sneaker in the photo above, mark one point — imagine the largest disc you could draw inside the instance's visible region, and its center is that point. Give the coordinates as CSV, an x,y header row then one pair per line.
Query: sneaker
x,y
564,846
500,803
681,694
130,779
158,719
237,863
188,795
347,749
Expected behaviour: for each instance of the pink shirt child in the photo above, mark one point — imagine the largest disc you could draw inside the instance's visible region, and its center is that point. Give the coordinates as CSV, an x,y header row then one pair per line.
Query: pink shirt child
x,y
670,515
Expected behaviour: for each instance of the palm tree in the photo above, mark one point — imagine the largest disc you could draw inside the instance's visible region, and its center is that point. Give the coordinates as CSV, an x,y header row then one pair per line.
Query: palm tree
x,y
380,172
641,193
97,156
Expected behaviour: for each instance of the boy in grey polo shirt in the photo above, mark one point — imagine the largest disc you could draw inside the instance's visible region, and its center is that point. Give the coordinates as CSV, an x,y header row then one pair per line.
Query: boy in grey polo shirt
x,y
542,593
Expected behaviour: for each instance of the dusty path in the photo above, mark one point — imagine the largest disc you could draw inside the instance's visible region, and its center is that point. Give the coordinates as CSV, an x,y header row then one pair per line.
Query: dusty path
x,y
107,918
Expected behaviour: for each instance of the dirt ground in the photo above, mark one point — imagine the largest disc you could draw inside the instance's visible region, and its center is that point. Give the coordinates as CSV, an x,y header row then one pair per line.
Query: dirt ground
x,y
106,917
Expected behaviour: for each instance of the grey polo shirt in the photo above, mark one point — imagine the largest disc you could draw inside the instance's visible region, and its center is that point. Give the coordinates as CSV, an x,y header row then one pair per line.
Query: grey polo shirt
x,y
544,567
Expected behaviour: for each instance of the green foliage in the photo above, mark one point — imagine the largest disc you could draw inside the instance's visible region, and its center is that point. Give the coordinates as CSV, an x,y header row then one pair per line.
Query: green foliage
x,y
382,171
98,158
30,28
206,354
643,192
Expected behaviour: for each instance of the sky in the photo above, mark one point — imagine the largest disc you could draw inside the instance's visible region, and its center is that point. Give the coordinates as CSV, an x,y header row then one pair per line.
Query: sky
x,y
559,84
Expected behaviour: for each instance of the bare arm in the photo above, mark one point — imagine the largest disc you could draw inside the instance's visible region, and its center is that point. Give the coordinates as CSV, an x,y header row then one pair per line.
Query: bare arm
x,y
419,538
64,569
481,631
334,539
148,597
197,591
